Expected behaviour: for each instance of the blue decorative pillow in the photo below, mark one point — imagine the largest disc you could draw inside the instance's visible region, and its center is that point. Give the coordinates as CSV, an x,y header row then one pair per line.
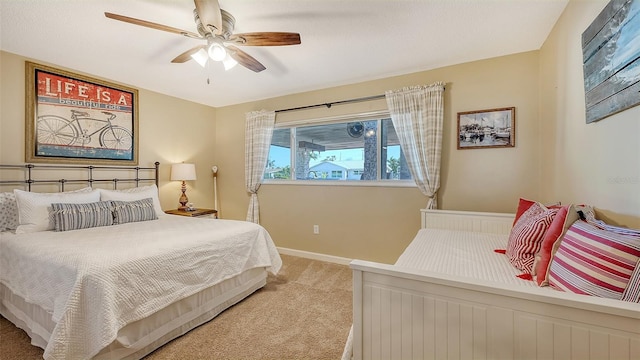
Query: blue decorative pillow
x,y
81,216
132,211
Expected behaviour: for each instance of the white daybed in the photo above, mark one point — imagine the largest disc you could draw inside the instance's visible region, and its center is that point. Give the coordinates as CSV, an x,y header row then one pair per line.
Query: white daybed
x,y
468,303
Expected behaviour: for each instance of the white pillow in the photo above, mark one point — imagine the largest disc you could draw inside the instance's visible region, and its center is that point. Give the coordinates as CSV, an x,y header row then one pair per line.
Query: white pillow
x,y
8,211
133,194
33,208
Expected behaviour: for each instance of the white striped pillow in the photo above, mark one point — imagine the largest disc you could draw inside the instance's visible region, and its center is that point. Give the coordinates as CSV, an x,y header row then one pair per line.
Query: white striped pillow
x,y
632,292
616,229
526,236
137,193
595,262
133,211
81,216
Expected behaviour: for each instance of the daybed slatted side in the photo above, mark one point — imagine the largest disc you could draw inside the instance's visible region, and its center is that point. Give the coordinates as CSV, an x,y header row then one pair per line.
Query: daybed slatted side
x,y
413,315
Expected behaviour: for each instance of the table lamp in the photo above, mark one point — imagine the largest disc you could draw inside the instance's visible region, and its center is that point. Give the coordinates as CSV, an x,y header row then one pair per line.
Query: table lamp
x,y
183,172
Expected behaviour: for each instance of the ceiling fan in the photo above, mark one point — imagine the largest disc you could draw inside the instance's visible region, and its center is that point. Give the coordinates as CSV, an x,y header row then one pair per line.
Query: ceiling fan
x,y
215,26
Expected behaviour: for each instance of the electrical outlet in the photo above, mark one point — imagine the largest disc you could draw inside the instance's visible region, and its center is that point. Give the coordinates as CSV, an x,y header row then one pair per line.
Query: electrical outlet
x,y
316,229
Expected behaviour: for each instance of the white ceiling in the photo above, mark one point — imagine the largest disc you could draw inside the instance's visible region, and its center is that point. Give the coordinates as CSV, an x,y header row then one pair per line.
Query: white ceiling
x,y
343,42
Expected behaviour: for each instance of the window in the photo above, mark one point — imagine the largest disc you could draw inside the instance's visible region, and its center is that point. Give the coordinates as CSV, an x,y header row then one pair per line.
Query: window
x,y
352,149
279,162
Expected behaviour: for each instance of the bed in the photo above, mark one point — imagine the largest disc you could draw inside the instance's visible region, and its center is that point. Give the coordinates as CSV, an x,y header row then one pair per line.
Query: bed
x,y
468,302
121,291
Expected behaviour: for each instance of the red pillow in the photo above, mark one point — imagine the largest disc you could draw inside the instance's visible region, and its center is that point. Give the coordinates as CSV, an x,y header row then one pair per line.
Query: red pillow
x,y
523,205
566,216
526,236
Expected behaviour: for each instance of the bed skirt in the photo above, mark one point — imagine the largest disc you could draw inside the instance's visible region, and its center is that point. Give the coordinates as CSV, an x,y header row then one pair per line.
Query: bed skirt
x,y
141,337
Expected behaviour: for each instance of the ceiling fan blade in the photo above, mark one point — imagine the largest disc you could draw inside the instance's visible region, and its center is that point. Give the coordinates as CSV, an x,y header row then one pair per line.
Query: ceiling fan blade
x,y
266,39
245,59
152,25
186,56
210,15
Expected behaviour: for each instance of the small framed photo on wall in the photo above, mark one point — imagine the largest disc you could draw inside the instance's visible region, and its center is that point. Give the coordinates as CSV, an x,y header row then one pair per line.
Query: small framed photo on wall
x,y
483,129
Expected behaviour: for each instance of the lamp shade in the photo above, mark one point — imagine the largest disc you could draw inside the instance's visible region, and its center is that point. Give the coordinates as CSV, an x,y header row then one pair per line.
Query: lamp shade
x,y
182,172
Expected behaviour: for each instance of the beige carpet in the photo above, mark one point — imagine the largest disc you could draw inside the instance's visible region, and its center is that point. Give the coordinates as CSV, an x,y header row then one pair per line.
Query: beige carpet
x,y
303,313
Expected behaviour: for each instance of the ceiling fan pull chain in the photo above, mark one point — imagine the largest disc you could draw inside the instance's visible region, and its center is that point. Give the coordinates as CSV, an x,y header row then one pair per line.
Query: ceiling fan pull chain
x,y
208,71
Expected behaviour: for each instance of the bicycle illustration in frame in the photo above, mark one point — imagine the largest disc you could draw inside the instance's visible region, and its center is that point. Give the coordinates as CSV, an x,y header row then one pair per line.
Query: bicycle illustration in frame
x,y
76,119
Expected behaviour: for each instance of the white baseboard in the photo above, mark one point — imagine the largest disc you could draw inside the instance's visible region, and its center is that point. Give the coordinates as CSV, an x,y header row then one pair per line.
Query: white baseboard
x,y
315,256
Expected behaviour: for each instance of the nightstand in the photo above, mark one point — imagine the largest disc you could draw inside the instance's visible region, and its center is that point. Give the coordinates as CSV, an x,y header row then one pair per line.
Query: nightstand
x,y
196,213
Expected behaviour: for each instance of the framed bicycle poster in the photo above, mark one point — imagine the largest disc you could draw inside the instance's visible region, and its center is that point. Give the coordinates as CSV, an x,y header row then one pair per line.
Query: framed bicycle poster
x,y
71,118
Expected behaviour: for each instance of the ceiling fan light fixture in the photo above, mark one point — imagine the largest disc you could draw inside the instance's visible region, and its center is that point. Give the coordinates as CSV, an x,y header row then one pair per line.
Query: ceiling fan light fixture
x,y
229,62
217,51
216,28
201,57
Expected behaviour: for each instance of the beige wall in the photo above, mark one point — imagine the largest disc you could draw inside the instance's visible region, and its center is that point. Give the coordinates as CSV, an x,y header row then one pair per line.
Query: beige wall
x,y
171,130
597,163
376,223
557,156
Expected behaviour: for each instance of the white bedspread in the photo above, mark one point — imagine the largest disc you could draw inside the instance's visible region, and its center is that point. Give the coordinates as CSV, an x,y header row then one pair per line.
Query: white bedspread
x,y
95,281
461,253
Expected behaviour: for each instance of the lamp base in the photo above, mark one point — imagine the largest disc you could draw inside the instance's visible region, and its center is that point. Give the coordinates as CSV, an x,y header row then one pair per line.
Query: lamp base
x,y
183,198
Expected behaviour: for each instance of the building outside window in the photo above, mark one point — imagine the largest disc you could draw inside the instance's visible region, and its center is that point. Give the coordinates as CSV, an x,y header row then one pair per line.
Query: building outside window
x,y
358,149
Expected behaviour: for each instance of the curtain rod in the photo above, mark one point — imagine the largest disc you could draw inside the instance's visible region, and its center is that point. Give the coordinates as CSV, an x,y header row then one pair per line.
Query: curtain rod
x,y
329,104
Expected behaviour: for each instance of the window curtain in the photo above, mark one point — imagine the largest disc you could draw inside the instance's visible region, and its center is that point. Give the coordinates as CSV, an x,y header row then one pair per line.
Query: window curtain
x,y
418,114
257,140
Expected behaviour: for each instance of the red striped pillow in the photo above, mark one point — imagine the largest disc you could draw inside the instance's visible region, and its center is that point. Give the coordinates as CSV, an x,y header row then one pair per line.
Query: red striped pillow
x,y
523,205
595,262
526,236
632,292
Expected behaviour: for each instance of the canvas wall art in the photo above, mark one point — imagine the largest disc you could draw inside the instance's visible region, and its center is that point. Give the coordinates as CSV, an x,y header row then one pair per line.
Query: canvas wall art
x,y
611,60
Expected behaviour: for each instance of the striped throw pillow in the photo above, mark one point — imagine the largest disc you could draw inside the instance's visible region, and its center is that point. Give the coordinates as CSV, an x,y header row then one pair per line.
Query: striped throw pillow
x,y
525,238
133,211
593,261
616,229
81,216
632,292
